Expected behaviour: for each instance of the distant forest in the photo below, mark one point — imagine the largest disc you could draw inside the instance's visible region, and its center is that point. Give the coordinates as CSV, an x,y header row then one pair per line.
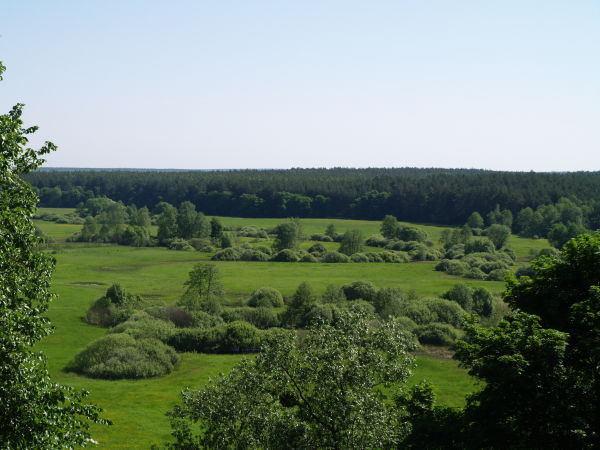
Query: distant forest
x,y
444,196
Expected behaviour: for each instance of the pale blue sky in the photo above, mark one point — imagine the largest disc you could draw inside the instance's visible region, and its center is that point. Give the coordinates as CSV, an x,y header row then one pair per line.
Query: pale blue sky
x,y
233,84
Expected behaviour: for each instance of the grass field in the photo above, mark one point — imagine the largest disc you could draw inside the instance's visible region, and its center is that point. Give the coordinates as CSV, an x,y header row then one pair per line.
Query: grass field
x,y
137,408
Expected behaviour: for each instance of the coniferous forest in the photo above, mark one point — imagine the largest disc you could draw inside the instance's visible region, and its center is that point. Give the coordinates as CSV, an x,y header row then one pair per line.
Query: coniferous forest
x,y
443,196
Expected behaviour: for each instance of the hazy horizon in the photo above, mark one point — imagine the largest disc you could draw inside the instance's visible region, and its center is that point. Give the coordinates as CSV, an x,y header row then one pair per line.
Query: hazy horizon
x,y
196,85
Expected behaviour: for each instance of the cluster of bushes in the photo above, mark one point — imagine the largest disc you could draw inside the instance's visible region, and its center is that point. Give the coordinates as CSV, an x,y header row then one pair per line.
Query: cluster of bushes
x,y
135,346
315,254
479,265
234,337
68,218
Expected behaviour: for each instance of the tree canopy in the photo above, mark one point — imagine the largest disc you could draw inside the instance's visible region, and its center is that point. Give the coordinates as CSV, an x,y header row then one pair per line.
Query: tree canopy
x,y
35,412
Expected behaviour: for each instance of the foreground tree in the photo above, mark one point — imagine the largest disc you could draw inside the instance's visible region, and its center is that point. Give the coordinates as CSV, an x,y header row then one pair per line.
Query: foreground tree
x,y
541,372
34,411
322,393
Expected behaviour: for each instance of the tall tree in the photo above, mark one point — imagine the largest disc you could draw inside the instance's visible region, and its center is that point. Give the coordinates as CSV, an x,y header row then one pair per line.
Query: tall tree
x,y
34,411
327,390
353,242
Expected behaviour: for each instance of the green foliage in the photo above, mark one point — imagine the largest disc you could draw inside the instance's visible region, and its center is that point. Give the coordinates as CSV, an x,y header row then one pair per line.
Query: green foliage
x,y
120,355
286,255
34,411
389,227
287,235
352,242
498,234
233,337
142,326
114,307
266,297
204,290
436,334
479,245
334,257
300,305
324,393
475,220
360,289
538,367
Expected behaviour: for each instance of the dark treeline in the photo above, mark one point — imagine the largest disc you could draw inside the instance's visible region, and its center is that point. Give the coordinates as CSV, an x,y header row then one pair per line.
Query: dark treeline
x,y
421,195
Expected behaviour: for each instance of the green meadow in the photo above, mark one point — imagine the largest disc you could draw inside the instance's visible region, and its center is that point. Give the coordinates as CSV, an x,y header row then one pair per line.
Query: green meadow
x,y
137,407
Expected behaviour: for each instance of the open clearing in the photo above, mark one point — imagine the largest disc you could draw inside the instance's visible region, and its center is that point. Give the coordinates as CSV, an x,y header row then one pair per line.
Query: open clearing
x,y
137,407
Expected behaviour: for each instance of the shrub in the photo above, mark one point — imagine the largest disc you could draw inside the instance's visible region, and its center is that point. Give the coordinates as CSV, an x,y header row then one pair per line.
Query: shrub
x,y
359,289
405,323
479,245
483,302
320,237
260,317
285,255
119,355
202,245
394,257
361,307
417,312
263,249
317,248
455,252
334,257
321,313
456,268
475,274
497,275
436,334
116,306
254,255
445,311
308,258
388,302
266,297
461,294
204,320
181,245
252,231
234,337
377,240
374,257
142,326
227,254
359,258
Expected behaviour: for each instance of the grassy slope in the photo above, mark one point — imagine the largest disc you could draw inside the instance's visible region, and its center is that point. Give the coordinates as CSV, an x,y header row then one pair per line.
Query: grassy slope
x,y
137,407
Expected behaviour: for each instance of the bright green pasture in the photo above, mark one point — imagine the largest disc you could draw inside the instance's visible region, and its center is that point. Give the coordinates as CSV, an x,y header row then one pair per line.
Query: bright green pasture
x,y
60,211
137,408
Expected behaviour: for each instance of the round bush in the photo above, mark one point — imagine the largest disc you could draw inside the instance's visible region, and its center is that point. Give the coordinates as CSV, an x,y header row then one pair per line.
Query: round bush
x,y
418,312
119,355
227,254
285,255
377,240
475,274
334,257
479,245
405,323
142,326
436,334
180,244
308,258
266,297
445,311
497,275
317,248
320,237
374,257
360,290
359,258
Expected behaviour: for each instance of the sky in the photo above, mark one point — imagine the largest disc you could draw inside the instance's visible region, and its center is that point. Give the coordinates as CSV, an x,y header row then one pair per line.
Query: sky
x,y
501,85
